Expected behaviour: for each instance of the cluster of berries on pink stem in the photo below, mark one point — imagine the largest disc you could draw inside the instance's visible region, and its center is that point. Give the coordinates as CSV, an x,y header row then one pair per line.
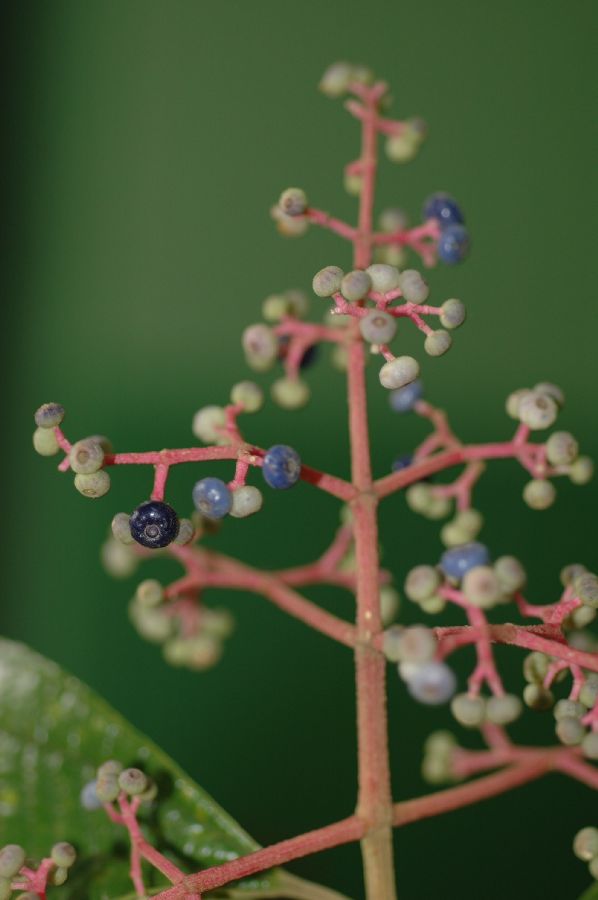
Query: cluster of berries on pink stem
x,y
364,309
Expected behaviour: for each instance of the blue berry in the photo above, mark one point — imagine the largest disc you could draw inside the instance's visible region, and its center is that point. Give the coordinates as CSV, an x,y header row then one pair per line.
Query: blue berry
x,y
282,467
402,462
154,524
432,683
453,244
457,561
89,798
444,209
212,498
404,399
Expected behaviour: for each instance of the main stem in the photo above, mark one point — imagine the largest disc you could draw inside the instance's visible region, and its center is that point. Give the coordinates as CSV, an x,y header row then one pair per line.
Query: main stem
x,y
374,806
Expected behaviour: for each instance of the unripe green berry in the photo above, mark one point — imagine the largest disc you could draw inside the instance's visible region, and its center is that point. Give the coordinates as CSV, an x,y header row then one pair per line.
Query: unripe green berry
x,y
570,731
49,415
588,694
535,667
110,767
422,582
260,345
440,743
389,604
86,457
45,442
217,623
537,410
391,254
118,559
537,697
435,770
568,709
12,857
539,493
154,625
468,710
293,202
247,394
58,876
582,470
107,788
437,343
570,572
398,372
384,278
290,393
63,855
121,528
453,536
356,285
585,844
391,643
452,314
94,485
378,327
289,226
589,745
186,532
149,593
580,617
481,587
416,644
419,497
339,357
328,281
433,605
413,287
337,79
353,183
132,781
552,390
203,652
503,710
585,587
561,449
208,423
247,500
510,573
393,219
513,401
593,867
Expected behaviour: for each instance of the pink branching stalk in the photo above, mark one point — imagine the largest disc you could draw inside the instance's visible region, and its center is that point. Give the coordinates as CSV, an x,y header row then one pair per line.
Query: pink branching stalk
x,y
366,305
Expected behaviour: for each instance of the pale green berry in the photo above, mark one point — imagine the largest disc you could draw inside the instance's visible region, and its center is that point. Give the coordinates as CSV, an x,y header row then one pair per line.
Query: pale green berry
x,y
217,623
384,278
391,643
535,667
582,470
176,652
513,401
247,500
94,485
433,605
203,652
118,559
63,854
503,710
328,281
398,372
585,843
356,285
539,493
416,644
570,572
470,521
363,74
150,593
298,302
413,286
437,343
568,709
588,694
107,788
585,587
260,345
402,148
440,743
247,394
439,507
49,415
86,456
389,604
468,710
45,442
481,587
289,226
537,697
132,781
378,327
150,793
353,183
580,617
186,532
154,625
589,745
570,731
452,313
552,390
208,423
59,875
104,442
12,857
393,219
422,582
453,536
337,79
339,357
121,528
110,767
275,307
391,254
561,448
435,770
537,410
293,202
290,393
419,497
593,867
510,573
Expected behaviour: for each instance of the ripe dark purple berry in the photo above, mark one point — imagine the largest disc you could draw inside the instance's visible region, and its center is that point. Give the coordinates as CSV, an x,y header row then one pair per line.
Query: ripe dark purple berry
x,y
154,524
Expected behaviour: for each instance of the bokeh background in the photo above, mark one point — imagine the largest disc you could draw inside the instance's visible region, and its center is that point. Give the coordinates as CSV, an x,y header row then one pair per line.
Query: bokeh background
x,y
144,144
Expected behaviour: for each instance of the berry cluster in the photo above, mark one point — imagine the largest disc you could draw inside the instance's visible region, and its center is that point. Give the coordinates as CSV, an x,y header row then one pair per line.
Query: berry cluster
x,y
18,874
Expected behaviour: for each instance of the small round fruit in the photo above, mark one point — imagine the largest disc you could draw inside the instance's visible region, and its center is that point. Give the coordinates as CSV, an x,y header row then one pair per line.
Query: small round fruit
x,y
503,710
437,343
212,498
385,278
293,202
469,710
481,587
49,415
247,500
539,493
398,372
413,287
582,470
154,524
281,467
453,244
45,442
247,394
208,424
94,485
422,582
378,327
12,857
444,209
537,410
432,684
86,457
63,854
561,448
356,285
452,313
585,844
404,399
328,281
132,781
290,393
457,561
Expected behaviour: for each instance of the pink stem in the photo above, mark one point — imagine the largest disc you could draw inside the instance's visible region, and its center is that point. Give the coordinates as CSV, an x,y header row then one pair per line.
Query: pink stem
x,y
318,217
160,479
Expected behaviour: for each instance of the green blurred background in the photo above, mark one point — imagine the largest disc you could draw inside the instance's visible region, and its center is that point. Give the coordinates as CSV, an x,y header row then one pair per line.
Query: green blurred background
x,y
145,143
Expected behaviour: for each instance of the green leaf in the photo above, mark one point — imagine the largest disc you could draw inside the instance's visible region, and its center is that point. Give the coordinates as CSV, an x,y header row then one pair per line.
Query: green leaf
x,y
54,733
591,893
